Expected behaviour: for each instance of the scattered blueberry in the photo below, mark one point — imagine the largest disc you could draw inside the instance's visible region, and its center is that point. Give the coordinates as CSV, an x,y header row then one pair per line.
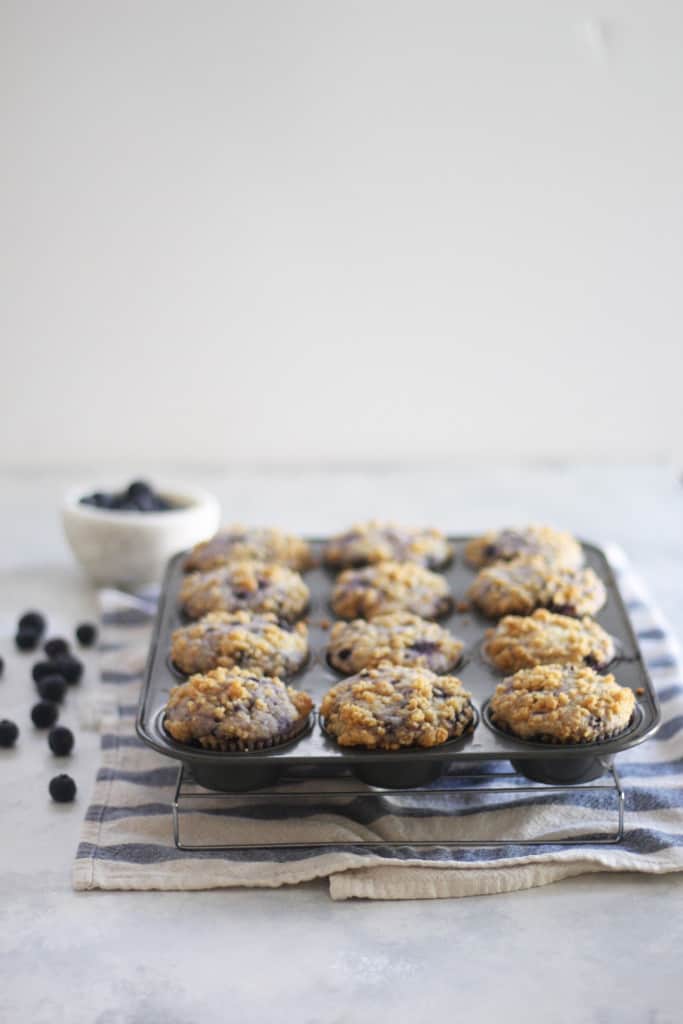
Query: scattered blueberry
x,y
53,648
62,789
42,669
8,733
61,740
44,714
33,621
86,634
137,497
2,665
27,639
52,688
69,667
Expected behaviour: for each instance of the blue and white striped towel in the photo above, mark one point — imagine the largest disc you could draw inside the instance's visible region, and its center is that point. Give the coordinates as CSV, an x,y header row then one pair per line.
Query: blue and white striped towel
x,y
127,840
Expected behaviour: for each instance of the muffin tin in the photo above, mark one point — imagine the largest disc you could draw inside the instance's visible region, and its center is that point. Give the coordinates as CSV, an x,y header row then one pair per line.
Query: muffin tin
x,y
541,762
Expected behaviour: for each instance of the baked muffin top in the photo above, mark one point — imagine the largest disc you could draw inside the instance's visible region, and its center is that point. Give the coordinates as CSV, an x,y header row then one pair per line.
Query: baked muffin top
x,y
399,637
392,706
245,639
519,586
562,704
521,641
377,541
234,709
241,543
556,546
390,587
255,586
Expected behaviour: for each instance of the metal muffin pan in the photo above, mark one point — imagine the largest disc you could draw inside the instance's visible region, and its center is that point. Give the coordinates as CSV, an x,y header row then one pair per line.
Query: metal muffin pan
x,y
313,749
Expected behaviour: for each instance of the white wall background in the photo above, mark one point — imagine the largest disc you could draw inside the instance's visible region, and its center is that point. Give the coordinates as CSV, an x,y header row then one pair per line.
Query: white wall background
x,y
292,230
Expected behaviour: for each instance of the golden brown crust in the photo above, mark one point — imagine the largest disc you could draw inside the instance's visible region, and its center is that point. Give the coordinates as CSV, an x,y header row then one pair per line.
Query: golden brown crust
x,y
562,704
250,640
390,587
255,586
545,638
376,541
391,706
399,637
258,544
519,586
557,547
234,709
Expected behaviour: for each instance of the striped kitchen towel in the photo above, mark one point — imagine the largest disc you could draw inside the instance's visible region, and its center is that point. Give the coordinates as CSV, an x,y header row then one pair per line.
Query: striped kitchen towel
x,y
127,837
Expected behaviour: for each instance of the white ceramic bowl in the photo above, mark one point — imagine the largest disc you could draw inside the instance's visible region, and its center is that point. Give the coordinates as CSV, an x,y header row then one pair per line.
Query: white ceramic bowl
x,y
120,548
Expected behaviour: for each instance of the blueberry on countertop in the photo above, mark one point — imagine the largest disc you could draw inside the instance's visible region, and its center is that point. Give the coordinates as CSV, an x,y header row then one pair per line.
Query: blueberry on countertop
x,y
52,688
42,669
44,714
27,639
61,740
33,621
8,733
86,634
56,646
69,667
2,665
62,789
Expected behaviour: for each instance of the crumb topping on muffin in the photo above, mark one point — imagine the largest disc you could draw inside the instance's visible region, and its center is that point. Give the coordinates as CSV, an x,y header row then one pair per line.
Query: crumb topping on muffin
x,y
522,641
250,640
557,546
522,584
256,586
377,541
562,704
390,587
258,544
399,637
234,709
391,706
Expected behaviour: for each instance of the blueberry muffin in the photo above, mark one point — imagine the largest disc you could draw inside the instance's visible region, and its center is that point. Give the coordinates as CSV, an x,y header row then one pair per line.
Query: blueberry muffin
x,y
232,709
399,637
255,586
392,706
557,547
519,586
250,640
375,541
522,641
562,704
256,544
390,587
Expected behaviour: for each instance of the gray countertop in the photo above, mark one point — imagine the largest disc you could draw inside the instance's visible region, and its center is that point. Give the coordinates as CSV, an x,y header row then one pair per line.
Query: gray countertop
x,y
597,949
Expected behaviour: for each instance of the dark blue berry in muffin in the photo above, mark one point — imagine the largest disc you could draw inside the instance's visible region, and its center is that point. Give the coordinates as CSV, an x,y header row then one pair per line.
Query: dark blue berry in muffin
x,y
62,789
44,714
52,688
61,740
56,646
86,634
33,621
69,667
8,733
27,639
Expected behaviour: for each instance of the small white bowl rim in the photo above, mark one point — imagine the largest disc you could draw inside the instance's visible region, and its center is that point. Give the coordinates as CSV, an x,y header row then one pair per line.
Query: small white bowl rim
x,y
197,498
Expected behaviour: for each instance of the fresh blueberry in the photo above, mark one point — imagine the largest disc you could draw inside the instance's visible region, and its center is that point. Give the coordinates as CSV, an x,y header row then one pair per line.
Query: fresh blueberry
x,y
42,669
2,665
27,639
52,688
33,621
44,714
86,634
53,648
8,733
61,740
69,667
62,789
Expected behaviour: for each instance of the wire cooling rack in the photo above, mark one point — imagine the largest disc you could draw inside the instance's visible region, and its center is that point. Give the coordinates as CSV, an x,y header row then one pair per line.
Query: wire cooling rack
x,y
342,795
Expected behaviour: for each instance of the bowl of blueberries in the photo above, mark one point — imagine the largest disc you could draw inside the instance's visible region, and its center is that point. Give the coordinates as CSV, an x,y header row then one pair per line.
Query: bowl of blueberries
x,y
124,536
